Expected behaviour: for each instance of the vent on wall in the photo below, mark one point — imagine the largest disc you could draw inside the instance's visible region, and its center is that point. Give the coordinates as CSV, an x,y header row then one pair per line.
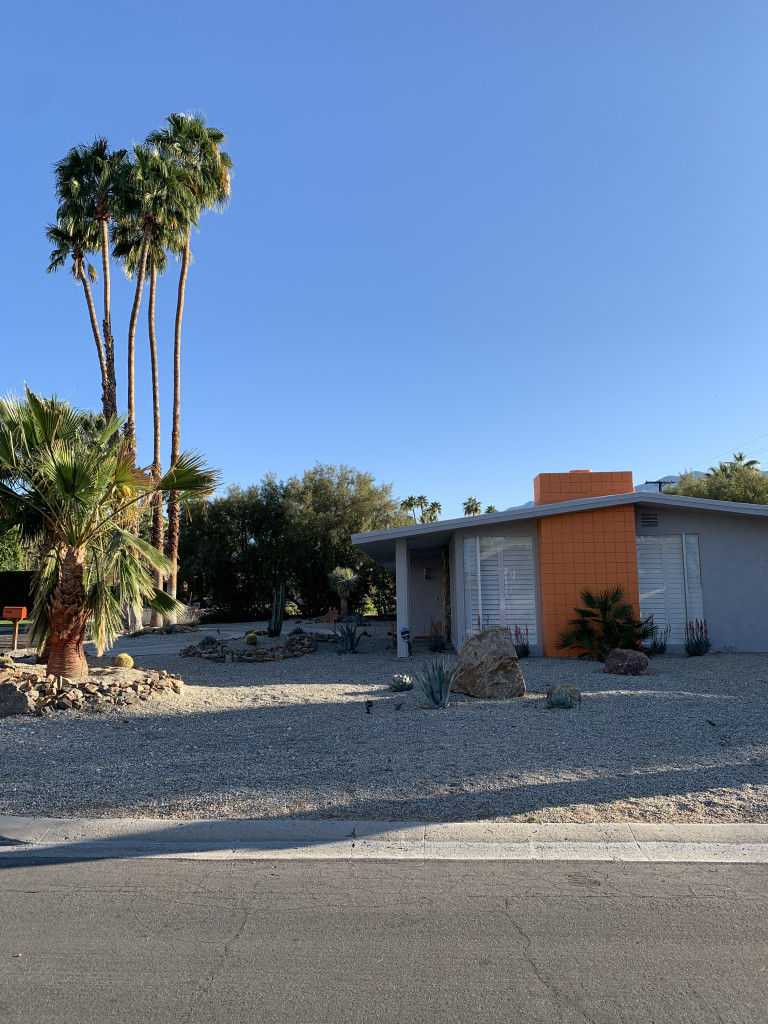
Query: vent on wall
x,y
649,518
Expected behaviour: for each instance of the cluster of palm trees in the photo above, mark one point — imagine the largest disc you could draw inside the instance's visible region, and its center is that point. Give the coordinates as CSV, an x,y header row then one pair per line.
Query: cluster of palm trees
x,y
472,507
137,209
428,511
425,511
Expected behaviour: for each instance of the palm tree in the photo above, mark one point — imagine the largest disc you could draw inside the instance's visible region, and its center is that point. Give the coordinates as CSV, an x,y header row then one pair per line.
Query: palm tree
x,y
76,495
345,581
491,508
70,239
127,246
431,513
159,204
409,505
196,147
472,507
90,186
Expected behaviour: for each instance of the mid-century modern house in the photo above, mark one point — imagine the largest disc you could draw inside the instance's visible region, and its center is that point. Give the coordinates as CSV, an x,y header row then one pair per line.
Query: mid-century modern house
x,y
677,558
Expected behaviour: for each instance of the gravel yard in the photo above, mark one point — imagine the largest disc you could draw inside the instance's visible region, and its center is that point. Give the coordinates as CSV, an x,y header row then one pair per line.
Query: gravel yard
x,y
293,739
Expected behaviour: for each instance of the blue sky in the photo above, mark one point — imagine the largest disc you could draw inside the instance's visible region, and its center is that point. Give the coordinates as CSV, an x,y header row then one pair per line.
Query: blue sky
x,y
468,242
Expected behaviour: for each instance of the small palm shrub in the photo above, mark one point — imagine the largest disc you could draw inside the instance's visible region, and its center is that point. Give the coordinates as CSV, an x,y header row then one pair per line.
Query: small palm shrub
x,y
658,644
252,639
605,622
400,683
123,661
697,640
436,681
346,638
560,700
521,641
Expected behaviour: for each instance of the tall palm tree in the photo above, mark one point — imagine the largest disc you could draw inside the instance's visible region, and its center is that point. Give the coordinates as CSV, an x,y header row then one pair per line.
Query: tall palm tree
x,y
196,147
159,204
68,238
128,242
409,504
472,507
75,494
431,513
90,186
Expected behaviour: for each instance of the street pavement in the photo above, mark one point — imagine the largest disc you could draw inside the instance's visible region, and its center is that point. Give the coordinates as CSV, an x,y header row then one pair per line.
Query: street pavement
x,y
310,941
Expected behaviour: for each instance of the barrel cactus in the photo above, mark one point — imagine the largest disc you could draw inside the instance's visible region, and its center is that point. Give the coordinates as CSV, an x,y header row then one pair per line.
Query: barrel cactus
x,y
401,682
6,661
560,700
252,638
123,661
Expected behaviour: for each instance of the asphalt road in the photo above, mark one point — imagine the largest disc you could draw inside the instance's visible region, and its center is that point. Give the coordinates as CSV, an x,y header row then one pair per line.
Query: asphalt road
x,y
310,942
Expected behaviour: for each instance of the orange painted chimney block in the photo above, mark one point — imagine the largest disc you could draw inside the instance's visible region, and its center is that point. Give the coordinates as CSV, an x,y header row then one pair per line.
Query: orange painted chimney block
x,y
549,488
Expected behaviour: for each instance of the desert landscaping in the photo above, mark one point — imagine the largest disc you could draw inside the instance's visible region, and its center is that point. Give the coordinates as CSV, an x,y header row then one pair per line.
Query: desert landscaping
x,y
322,735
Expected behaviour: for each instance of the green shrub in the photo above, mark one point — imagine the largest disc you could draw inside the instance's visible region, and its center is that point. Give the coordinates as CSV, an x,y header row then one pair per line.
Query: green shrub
x,y
123,661
436,681
658,644
605,622
208,641
436,643
521,641
697,640
400,683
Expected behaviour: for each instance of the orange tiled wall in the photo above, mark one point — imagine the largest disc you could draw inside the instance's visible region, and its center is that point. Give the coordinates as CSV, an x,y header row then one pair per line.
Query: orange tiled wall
x,y
581,550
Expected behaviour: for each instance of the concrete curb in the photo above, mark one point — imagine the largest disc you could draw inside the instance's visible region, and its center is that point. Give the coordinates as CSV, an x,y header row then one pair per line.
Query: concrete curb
x,y
253,839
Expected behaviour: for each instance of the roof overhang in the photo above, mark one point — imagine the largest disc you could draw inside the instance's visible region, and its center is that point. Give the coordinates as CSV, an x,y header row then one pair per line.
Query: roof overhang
x,y
380,544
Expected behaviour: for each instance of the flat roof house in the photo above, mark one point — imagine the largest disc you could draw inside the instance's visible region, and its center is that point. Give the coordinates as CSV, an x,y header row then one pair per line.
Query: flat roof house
x,y
677,558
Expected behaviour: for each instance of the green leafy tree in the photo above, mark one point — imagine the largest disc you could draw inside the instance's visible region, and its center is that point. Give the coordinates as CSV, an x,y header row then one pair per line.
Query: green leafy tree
x,y
731,481
74,497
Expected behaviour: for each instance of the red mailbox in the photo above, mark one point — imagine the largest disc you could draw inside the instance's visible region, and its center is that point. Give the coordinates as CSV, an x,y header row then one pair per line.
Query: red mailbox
x,y
15,613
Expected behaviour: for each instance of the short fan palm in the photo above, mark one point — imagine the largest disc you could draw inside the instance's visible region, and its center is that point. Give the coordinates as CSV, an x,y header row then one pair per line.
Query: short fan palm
x,y
605,621
74,496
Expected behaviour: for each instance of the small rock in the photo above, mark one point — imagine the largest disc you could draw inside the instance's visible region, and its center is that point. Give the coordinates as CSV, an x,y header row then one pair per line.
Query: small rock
x,y
573,691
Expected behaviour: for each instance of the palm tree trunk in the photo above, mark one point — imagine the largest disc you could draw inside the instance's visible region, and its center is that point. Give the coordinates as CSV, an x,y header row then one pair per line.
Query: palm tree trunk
x,y
173,507
157,499
96,337
130,426
67,617
110,395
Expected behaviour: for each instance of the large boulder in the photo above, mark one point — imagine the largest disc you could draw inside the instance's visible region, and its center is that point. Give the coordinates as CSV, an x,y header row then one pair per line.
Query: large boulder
x,y
621,662
13,701
488,666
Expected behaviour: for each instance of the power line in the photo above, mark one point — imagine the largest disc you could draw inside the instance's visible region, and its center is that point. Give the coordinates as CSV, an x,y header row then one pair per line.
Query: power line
x,y
730,451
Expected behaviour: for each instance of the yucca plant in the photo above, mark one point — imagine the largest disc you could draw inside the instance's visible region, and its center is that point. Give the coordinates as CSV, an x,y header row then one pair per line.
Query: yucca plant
x,y
436,681
346,638
605,622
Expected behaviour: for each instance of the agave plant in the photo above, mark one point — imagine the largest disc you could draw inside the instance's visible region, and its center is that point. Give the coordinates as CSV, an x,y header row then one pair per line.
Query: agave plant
x,y
346,638
401,682
436,681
